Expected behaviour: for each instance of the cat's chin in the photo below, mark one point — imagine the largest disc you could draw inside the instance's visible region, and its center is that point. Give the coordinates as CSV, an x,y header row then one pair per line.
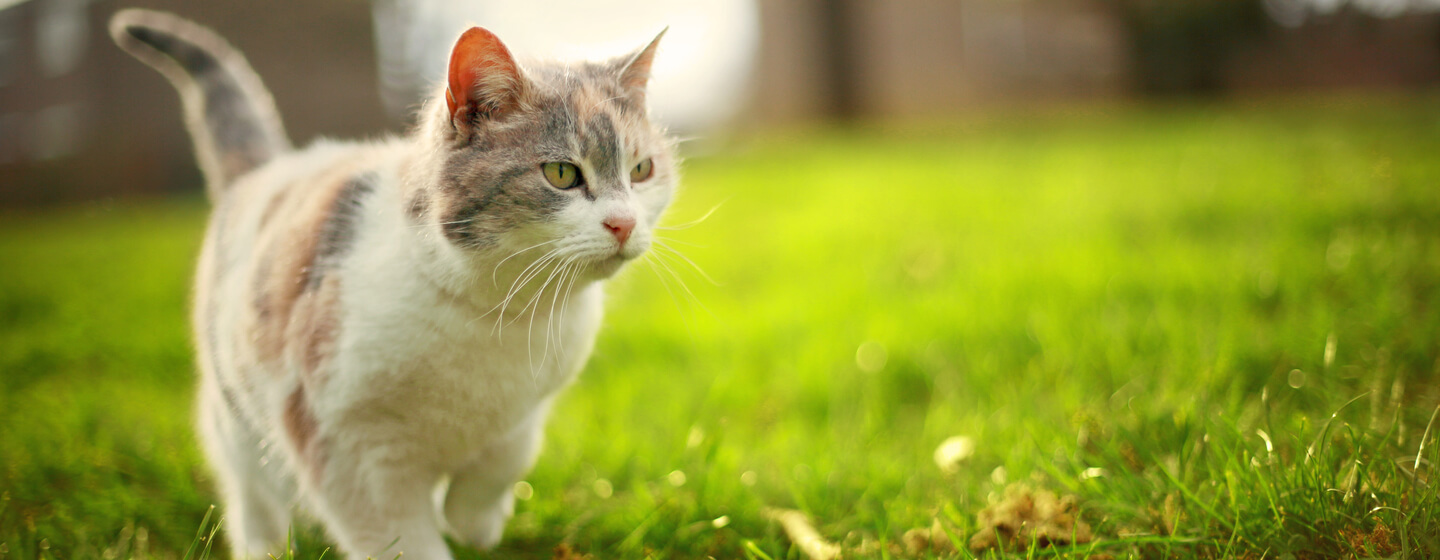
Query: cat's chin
x,y
607,267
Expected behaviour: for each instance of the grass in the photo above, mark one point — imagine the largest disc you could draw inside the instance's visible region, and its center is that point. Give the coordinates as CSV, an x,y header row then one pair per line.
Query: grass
x,y
1217,326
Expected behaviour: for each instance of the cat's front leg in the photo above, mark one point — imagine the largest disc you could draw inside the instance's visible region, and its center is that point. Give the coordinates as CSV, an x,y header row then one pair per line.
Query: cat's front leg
x,y
477,507
480,499
378,505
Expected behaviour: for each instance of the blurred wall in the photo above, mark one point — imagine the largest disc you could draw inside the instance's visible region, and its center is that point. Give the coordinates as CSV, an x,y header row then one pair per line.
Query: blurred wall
x,y
917,57
103,124
1344,50
81,120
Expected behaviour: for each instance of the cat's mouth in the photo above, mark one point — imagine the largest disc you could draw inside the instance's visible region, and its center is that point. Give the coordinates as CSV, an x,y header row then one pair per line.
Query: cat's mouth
x,y
600,262
606,267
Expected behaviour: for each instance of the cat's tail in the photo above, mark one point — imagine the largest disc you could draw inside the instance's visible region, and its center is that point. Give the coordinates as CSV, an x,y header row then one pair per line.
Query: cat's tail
x,y
231,116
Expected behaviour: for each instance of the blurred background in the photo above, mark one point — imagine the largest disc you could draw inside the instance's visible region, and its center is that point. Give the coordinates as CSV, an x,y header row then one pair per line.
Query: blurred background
x,y
79,120
1117,243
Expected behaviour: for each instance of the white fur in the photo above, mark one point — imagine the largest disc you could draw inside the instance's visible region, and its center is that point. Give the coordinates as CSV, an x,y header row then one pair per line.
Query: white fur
x,y
356,381
422,337
431,381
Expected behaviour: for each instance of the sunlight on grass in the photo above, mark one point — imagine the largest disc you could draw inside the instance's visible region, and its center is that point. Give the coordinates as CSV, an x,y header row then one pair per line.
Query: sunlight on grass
x,y
1213,326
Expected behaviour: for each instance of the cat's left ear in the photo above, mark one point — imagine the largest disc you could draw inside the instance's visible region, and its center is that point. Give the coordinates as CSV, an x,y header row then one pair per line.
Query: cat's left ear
x,y
635,69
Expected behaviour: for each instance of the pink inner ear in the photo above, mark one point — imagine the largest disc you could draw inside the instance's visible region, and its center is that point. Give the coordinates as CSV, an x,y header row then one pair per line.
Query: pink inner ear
x,y
482,71
637,72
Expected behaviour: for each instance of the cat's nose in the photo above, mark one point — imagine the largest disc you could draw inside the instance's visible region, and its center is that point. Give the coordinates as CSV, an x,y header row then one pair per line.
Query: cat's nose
x,y
620,225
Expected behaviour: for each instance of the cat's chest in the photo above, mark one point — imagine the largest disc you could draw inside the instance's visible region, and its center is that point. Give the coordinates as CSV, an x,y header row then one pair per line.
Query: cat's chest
x,y
450,368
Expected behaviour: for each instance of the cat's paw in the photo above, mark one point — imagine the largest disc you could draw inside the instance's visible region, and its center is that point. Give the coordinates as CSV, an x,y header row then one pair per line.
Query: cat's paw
x,y
482,527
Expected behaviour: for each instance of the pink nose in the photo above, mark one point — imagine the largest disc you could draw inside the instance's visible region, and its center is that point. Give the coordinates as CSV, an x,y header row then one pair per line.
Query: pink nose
x,y
620,227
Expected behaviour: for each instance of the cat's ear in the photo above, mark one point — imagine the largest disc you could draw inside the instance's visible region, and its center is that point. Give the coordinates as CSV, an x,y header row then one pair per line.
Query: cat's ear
x,y
484,80
635,69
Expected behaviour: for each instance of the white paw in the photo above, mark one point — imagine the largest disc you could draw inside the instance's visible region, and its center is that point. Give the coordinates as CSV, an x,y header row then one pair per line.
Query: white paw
x,y
485,532
484,528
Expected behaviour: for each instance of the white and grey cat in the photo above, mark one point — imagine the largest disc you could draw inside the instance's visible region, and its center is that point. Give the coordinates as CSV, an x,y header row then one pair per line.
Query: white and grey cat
x,y
375,318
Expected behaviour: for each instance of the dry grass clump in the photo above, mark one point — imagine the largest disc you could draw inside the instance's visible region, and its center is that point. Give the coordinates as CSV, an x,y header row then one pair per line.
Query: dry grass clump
x,y
1024,516
1376,543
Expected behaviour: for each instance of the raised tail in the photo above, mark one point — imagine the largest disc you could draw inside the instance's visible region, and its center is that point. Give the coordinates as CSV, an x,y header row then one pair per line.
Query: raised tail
x,y
231,117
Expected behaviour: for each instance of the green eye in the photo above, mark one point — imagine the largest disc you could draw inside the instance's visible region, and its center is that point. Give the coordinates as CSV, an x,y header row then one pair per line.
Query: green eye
x,y
642,171
561,175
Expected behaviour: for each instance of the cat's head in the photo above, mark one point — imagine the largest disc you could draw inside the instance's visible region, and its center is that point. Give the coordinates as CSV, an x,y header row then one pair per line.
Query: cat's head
x,y
546,160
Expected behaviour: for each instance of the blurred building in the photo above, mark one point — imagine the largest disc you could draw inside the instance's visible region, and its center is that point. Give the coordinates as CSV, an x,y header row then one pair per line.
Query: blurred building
x,y
79,119
916,57
1340,50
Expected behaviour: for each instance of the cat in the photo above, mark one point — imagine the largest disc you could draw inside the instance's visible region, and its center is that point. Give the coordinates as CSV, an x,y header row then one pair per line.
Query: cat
x,y
373,319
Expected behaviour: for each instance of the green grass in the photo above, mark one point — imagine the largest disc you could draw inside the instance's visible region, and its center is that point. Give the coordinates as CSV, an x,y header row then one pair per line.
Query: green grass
x,y
1230,313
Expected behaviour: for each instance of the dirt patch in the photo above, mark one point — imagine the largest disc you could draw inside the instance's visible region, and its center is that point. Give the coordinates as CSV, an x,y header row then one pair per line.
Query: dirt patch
x,y
565,552
1025,516
1378,542
922,542
1022,518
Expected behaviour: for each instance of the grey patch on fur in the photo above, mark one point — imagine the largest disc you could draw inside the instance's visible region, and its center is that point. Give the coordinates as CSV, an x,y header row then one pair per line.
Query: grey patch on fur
x,y
602,148
559,125
622,101
605,78
263,306
192,59
230,115
496,202
419,205
337,233
231,401
493,184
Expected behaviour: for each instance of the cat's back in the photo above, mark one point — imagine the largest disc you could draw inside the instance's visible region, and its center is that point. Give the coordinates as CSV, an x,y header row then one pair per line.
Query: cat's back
x,y
291,189
267,287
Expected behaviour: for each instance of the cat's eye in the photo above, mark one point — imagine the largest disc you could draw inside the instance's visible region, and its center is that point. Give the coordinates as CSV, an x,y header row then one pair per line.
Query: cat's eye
x,y
561,175
642,171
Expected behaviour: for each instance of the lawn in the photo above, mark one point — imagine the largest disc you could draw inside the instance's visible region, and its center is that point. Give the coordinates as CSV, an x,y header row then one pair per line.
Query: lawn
x,y
1215,325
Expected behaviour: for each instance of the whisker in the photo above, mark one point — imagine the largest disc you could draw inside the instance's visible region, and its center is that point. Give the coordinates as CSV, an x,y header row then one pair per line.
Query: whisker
x,y
679,242
597,103
660,259
538,293
550,317
565,302
567,275
666,284
530,330
495,270
427,224
660,244
534,306
697,221
515,287
526,275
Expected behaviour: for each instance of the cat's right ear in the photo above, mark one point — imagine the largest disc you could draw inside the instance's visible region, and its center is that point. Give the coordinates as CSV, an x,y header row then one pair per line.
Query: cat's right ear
x,y
484,80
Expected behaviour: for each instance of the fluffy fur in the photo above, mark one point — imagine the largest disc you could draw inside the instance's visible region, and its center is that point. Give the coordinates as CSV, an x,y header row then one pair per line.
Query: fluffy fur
x,y
373,319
